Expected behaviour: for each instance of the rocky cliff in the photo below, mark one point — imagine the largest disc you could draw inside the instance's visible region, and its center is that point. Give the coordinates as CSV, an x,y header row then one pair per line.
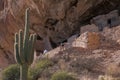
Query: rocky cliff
x,y
54,21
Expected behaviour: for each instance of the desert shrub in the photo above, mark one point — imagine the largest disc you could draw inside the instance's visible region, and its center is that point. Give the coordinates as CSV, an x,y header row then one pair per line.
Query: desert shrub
x,y
113,70
39,68
11,73
62,76
82,64
107,78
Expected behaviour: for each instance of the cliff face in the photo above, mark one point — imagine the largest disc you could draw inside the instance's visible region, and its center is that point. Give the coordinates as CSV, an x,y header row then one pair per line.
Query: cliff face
x,y
53,20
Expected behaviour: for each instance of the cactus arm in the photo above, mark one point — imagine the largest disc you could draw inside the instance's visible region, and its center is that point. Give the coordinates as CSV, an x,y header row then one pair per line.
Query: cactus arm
x,y
33,42
17,57
32,50
16,38
26,34
21,53
31,55
16,49
29,49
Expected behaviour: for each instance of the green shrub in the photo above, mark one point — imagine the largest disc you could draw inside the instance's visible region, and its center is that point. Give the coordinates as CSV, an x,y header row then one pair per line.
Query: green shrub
x,y
11,73
39,68
62,76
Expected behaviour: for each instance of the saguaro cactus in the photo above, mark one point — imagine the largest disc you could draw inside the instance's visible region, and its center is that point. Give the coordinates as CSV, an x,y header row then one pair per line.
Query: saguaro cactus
x,y
24,48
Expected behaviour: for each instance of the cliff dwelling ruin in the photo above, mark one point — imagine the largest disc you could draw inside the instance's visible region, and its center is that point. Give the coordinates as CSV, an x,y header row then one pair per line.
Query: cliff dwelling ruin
x,y
108,20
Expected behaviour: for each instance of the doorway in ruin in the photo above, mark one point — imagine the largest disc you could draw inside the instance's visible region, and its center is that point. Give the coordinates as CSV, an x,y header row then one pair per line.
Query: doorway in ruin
x,y
109,23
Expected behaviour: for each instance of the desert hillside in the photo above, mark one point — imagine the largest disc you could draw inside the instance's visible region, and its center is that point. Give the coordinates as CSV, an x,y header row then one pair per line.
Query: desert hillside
x,y
81,36
54,21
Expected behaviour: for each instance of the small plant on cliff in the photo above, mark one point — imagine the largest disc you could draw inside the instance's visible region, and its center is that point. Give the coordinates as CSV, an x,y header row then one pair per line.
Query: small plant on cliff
x,y
11,73
24,49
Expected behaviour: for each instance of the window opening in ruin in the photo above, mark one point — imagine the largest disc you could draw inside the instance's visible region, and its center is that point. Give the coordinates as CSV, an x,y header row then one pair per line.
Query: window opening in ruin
x,y
109,22
53,44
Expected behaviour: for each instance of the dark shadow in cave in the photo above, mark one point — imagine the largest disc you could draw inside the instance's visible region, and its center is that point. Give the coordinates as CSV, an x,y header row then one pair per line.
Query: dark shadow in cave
x,y
53,44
